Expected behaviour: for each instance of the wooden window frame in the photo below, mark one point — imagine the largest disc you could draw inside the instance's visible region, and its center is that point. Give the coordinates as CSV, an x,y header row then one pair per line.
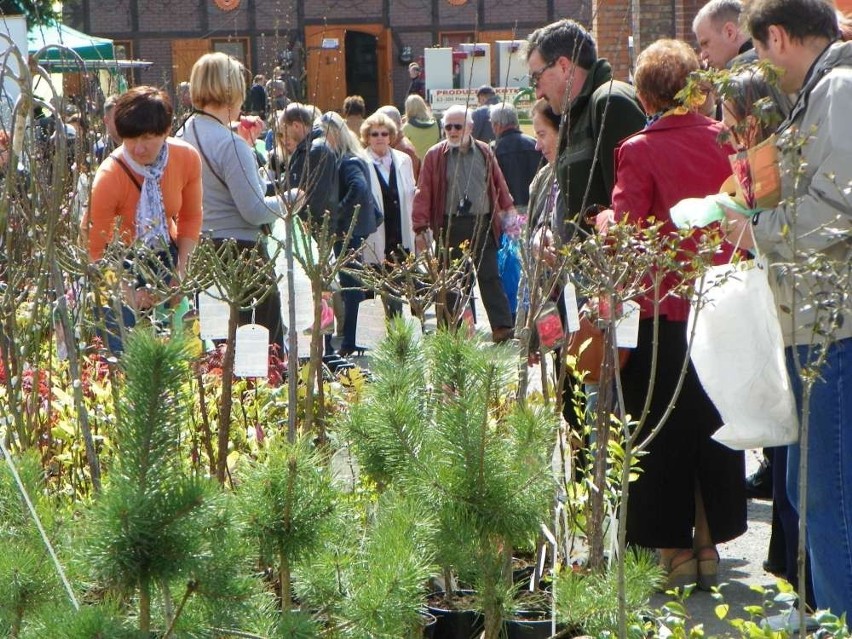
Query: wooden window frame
x,y
244,40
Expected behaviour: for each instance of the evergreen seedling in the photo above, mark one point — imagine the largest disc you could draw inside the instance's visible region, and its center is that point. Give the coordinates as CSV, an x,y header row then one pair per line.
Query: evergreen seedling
x,y
151,525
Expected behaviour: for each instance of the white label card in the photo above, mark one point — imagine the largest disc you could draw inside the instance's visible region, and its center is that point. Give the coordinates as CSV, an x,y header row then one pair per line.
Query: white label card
x,y
572,311
212,315
627,326
251,352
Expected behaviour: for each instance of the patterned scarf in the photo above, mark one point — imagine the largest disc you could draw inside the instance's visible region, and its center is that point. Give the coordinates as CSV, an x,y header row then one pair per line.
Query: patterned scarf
x,y
151,227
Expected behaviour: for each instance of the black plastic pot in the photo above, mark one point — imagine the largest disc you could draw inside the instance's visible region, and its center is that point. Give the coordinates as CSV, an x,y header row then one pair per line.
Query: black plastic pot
x,y
531,628
429,622
456,624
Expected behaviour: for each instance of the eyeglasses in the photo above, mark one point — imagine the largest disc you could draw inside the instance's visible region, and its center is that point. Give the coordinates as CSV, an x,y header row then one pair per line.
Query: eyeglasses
x,y
453,127
535,76
376,134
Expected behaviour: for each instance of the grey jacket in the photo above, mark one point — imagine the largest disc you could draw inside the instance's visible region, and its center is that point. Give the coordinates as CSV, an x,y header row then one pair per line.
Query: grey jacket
x,y
814,219
235,202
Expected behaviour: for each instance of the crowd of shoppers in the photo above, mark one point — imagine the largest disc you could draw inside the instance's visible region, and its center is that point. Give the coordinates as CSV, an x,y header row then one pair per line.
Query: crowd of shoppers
x,y
389,186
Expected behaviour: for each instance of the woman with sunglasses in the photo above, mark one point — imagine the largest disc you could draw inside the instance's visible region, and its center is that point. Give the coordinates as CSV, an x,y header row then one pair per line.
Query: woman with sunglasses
x,y
392,182
356,210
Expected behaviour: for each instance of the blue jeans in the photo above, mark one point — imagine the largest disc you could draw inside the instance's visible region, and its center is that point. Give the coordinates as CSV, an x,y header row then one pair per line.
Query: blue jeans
x,y
829,504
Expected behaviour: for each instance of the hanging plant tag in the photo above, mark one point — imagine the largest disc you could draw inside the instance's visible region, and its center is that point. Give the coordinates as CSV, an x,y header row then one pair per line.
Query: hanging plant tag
x,y
251,352
627,326
572,310
212,315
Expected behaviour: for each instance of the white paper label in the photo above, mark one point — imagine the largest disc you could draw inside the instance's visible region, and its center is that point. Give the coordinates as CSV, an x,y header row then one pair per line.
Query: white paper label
x,y
627,326
251,352
212,314
572,311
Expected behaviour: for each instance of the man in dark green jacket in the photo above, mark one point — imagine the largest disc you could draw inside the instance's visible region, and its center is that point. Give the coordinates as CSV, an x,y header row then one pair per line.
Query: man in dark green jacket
x,y
597,111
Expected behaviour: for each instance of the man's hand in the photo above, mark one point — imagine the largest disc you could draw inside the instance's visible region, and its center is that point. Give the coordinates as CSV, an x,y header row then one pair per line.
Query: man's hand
x,y
736,229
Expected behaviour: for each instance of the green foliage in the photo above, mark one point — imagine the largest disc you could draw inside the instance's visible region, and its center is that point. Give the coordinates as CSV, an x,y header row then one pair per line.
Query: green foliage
x,y
385,427
440,423
103,621
588,601
154,523
35,11
27,577
368,580
285,497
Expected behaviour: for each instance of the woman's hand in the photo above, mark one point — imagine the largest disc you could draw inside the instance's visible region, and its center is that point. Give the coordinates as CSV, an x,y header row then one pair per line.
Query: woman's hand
x,y
542,247
736,229
603,220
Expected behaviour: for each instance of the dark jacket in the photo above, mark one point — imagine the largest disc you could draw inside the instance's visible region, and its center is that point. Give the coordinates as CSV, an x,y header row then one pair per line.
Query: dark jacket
x,y
313,168
519,160
578,169
482,129
356,191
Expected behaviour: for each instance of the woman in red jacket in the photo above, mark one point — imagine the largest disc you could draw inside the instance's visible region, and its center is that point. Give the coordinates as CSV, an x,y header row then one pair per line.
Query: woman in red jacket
x,y
690,493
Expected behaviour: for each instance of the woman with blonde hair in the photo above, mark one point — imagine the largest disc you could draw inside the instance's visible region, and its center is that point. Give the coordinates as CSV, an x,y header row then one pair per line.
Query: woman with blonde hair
x,y
356,210
392,183
235,202
420,127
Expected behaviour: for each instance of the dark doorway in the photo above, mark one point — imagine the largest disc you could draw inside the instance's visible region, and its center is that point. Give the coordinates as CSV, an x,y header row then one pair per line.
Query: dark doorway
x,y
362,68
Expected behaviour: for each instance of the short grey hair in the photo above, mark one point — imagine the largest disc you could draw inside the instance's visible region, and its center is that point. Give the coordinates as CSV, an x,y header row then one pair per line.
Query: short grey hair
x,y
393,113
459,109
719,12
503,114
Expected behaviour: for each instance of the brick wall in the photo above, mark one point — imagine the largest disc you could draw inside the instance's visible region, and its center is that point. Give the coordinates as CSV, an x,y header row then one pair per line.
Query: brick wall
x,y
685,11
177,15
656,20
498,11
116,20
358,10
611,26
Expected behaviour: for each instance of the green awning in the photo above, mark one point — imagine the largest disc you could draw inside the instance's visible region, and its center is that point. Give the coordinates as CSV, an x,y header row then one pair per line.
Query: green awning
x,y
88,47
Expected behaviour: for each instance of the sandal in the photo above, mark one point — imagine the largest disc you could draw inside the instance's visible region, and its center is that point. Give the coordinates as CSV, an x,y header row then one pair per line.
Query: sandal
x,y
708,567
681,570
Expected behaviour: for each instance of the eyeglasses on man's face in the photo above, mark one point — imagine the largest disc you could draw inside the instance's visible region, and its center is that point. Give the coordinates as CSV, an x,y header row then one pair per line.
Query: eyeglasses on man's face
x,y
451,126
535,76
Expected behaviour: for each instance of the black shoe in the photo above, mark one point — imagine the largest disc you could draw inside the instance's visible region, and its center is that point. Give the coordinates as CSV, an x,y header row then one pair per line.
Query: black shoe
x,y
759,485
779,570
352,351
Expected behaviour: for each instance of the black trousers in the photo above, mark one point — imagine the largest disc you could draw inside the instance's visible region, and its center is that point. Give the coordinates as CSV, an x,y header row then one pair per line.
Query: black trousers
x,y
268,312
483,251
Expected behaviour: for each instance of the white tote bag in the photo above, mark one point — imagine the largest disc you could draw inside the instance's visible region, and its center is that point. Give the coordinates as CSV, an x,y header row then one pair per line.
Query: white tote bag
x,y
738,353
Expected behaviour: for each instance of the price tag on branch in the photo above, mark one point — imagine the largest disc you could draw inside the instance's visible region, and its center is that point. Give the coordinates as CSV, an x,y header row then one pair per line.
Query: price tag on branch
x,y
251,352
213,314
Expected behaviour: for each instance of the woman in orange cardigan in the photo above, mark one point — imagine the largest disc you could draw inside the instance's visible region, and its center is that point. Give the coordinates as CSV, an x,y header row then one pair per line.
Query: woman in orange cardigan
x,y
147,193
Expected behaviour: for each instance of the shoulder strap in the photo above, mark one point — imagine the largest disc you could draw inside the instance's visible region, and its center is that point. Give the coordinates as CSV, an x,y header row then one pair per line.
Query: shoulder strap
x,y
205,158
127,170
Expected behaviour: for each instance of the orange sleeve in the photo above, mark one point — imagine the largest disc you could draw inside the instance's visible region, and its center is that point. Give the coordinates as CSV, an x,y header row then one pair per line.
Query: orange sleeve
x,y
191,214
109,200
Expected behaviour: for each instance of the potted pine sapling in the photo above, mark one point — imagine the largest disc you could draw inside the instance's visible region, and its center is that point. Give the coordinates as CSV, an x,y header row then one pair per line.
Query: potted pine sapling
x,y
367,581
287,499
154,536
437,424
